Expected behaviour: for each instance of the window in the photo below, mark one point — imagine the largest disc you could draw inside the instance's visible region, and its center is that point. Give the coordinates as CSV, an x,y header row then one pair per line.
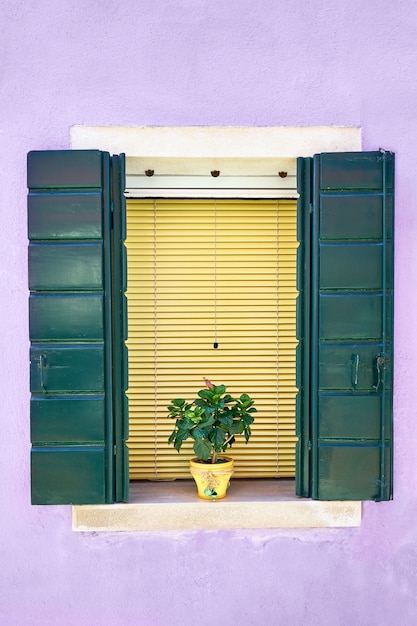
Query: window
x,y
78,326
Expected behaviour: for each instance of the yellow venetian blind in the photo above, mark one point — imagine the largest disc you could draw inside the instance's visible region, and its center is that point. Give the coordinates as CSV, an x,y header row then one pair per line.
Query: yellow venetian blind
x,y
202,272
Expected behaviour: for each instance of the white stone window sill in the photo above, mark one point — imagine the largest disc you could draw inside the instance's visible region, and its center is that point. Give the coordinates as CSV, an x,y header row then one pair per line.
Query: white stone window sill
x,y
255,503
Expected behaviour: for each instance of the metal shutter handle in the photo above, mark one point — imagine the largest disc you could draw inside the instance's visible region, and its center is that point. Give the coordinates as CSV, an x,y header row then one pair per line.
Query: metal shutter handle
x,y
380,365
43,375
355,370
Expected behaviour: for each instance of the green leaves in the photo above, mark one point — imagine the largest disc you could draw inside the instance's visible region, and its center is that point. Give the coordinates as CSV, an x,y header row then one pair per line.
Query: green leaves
x,y
211,423
237,427
195,415
207,422
178,403
217,437
202,449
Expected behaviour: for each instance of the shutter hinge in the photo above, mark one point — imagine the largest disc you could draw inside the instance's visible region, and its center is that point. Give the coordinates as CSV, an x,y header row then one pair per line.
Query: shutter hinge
x,y
309,446
114,450
310,207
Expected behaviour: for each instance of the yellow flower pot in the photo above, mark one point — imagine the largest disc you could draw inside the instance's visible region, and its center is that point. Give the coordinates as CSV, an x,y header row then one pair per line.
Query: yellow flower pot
x,y
212,480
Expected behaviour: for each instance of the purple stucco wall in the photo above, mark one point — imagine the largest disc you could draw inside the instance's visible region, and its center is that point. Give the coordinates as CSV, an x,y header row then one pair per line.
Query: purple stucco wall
x,y
204,62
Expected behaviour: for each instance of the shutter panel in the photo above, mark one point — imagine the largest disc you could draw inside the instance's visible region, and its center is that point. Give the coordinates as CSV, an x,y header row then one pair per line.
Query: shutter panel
x,y
70,308
302,473
351,326
119,306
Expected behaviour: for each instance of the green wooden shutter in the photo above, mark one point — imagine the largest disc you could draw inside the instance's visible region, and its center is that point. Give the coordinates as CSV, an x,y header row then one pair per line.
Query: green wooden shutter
x,y
120,326
345,324
303,446
74,338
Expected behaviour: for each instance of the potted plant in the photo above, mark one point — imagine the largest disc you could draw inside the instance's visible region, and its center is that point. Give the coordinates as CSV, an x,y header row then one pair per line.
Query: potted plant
x,y
212,420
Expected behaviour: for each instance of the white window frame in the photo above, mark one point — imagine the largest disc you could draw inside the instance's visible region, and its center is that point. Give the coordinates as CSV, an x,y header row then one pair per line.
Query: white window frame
x,y
249,160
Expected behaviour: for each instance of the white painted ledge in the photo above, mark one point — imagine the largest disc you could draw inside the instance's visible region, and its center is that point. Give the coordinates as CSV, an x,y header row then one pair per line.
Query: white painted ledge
x,y
249,504
254,142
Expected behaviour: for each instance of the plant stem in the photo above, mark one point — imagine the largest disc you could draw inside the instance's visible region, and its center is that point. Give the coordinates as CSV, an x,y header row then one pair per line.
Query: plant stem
x,y
229,439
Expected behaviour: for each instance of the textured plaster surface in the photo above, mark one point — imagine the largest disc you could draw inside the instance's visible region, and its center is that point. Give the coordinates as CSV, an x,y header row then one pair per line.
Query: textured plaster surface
x,y
185,63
